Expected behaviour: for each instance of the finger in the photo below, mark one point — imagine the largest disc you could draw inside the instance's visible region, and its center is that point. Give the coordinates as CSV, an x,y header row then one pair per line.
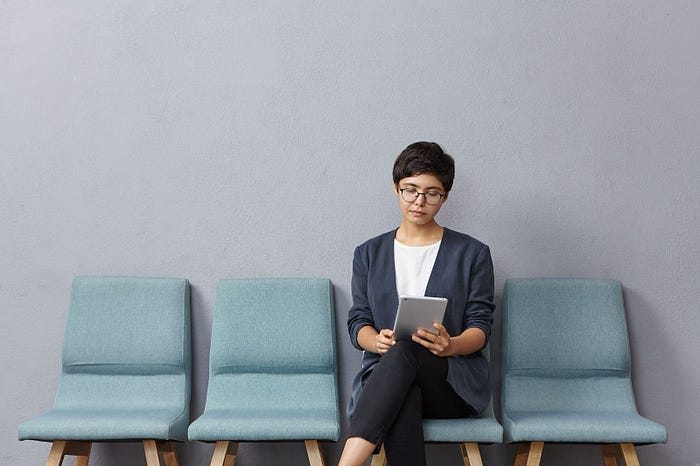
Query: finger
x,y
426,334
420,341
424,340
442,331
386,341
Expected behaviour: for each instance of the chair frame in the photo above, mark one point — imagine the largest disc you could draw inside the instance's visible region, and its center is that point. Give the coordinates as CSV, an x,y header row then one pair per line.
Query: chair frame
x,y
81,449
226,451
530,453
471,455
154,449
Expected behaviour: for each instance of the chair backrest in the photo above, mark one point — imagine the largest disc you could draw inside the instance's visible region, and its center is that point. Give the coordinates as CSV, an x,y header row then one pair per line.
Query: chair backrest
x,y
273,349
555,325
561,338
127,344
277,325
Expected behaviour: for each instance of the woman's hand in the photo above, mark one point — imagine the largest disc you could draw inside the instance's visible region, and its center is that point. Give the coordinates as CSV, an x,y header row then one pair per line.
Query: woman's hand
x,y
439,345
384,341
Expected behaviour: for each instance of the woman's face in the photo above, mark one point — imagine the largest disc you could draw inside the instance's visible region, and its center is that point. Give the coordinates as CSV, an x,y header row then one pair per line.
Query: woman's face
x,y
428,189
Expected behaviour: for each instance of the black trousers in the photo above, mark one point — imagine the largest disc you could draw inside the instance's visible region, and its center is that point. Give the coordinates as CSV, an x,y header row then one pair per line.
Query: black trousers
x,y
409,383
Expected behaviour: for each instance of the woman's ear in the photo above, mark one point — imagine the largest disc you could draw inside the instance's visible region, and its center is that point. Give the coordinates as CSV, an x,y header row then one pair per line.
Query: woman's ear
x,y
396,188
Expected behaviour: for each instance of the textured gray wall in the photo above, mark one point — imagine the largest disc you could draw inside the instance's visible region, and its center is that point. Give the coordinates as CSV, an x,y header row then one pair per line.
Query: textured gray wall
x,y
216,140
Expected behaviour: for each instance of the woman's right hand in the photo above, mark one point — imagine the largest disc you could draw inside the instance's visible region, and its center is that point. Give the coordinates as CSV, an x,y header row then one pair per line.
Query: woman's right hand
x,y
384,341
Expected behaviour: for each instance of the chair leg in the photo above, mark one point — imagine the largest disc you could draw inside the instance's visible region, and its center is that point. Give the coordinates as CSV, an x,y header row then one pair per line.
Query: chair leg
x,y
150,448
529,454
380,458
167,449
58,451
225,453
313,450
81,451
62,448
629,454
610,453
471,454
521,454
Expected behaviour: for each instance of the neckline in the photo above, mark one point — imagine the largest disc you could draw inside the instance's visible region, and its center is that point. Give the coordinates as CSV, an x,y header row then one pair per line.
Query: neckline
x,y
424,246
442,237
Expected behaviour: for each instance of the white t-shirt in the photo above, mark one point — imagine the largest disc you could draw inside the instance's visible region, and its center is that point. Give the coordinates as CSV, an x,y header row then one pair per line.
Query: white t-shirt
x,y
413,265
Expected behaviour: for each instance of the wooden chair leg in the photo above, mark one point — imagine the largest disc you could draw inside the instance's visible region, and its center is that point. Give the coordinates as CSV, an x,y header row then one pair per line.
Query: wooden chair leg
x,y
313,450
535,455
62,448
629,454
225,453
521,454
471,454
380,458
58,451
610,453
150,448
529,454
81,451
167,449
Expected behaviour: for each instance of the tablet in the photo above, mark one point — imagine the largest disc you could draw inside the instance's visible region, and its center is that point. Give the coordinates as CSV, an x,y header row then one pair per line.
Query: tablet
x,y
417,312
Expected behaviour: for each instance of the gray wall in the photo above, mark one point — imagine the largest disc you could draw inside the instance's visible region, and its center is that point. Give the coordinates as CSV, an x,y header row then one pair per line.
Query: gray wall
x,y
216,140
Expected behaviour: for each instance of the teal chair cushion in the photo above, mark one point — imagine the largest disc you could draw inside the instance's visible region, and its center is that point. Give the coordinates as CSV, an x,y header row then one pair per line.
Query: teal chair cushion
x,y
272,373
566,364
481,429
257,407
126,363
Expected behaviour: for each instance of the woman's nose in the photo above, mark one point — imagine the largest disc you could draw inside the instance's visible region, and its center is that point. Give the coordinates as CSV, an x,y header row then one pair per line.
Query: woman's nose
x,y
420,199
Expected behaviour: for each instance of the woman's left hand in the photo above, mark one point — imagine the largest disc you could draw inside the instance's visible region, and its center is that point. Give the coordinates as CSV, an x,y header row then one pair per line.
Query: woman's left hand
x,y
439,345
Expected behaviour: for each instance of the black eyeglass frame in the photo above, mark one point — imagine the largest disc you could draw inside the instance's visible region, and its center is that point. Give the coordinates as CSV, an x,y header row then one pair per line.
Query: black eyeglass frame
x,y
418,194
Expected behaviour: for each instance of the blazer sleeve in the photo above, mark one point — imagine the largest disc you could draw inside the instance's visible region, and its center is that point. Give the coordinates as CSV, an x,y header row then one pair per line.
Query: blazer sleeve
x,y
360,313
480,301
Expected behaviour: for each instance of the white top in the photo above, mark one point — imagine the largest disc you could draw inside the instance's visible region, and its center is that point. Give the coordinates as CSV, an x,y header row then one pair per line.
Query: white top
x,y
413,265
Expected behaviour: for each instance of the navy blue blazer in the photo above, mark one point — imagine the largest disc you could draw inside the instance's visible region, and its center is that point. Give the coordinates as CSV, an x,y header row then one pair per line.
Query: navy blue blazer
x,y
463,273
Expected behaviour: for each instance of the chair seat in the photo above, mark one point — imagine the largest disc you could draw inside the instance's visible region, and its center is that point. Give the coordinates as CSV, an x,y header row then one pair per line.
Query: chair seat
x,y
265,424
83,424
269,407
470,430
573,427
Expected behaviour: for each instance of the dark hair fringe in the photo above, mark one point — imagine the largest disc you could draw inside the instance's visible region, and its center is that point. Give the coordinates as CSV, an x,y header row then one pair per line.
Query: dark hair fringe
x,y
425,157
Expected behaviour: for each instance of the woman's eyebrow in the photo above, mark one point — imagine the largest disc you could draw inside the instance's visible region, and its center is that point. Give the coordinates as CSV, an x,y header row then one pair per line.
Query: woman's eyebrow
x,y
416,186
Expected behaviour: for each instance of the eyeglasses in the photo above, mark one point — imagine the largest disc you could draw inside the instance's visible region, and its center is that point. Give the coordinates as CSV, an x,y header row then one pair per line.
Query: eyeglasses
x,y
411,195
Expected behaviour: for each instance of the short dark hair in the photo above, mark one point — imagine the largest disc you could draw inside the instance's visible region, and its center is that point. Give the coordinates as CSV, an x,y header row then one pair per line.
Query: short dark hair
x,y
425,157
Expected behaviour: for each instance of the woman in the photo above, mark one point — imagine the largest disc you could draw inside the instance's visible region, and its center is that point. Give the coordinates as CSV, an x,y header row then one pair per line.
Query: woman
x,y
441,375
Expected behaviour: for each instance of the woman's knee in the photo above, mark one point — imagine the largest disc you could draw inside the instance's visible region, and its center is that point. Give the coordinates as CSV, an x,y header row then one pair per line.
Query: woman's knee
x,y
405,348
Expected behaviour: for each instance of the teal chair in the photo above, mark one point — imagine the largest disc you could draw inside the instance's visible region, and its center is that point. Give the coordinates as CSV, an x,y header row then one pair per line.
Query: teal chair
x,y
272,367
125,370
467,432
565,373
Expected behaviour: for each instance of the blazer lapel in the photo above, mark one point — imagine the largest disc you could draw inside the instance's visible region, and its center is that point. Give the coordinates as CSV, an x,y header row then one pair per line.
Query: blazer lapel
x,y
437,275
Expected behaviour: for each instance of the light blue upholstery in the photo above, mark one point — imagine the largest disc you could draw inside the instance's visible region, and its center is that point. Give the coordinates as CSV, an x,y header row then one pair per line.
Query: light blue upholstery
x,y
566,364
272,371
126,363
481,429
